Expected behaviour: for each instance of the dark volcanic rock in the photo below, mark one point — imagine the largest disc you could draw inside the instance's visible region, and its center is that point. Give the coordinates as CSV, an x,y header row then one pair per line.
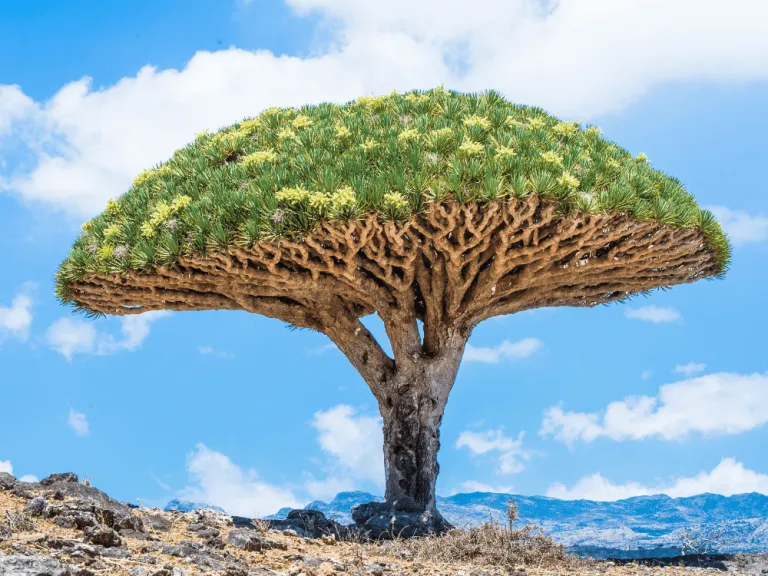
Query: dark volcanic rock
x,y
401,518
308,523
56,478
6,481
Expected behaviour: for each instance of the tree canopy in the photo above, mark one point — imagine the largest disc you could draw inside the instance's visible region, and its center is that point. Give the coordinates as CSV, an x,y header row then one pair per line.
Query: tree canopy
x,y
384,160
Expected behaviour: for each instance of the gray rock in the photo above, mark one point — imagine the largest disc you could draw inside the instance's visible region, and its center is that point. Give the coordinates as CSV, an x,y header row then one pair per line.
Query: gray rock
x,y
102,535
138,571
245,539
32,566
128,521
157,522
57,478
6,481
36,506
208,533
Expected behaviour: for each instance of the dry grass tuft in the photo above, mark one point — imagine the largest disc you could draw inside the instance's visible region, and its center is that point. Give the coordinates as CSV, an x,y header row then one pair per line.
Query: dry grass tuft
x,y
19,521
491,544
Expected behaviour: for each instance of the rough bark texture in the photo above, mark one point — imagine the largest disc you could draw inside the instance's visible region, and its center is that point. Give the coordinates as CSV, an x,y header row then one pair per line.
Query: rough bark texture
x,y
451,268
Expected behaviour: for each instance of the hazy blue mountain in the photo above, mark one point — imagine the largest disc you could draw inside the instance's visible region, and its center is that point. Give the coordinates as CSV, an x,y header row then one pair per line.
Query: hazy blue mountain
x,y
645,525
187,506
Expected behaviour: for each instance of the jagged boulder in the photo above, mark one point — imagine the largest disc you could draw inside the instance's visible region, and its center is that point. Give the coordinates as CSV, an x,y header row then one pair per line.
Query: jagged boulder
x,y
308,523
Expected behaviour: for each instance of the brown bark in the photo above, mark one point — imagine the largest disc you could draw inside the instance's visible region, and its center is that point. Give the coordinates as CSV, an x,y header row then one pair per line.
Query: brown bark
x,y
450,268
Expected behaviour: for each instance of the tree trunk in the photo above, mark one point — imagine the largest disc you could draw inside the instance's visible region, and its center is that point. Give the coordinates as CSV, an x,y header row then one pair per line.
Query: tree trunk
x,y
412,412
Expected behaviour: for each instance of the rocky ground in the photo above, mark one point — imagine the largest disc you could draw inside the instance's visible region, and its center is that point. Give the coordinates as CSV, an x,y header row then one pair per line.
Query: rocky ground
x,y
64,527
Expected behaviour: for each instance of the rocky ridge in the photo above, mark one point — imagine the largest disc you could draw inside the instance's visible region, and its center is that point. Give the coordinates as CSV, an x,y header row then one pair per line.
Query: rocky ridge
x,y
64,527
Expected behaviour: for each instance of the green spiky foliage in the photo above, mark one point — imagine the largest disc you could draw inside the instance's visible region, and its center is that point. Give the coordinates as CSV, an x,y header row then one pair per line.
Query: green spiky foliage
x,y
279,173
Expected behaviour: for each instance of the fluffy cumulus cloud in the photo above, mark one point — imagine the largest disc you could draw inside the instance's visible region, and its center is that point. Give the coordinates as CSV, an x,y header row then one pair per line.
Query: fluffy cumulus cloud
x,y
727,478
654,314
505,351
218,481
16,318
510,452
90,142
5,466
70,336
352,441
722,403
78,422
741,227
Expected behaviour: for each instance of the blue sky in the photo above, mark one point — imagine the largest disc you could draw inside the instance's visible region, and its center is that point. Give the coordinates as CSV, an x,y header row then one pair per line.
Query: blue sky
x,y
662,394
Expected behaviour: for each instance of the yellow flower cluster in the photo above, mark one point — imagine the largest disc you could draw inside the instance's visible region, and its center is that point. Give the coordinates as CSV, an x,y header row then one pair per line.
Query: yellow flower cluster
x,y
112,209
162,213
342,132
369,144
258,158
470,148
343,200
105,252
147,175
511,121
292,196
271,111
613,163
552,158
477,121
111,232
302,121
320,203
230,141
373,102
566,129
642,157
536,123
416,98
568,180
286,134
593,131
505,152
396,203
407,136
250,126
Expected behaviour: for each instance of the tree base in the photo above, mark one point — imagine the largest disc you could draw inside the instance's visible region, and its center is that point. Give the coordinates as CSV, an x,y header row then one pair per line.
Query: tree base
x,y
402,518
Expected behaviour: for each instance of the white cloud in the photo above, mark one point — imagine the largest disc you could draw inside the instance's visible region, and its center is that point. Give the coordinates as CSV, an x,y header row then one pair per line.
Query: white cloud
x,y
16,319
474,486
510,450
29,478
655,314
353,441
14,106
78,422
70,336
505,351
210,351
320,350
646,375
98,139
327,489
690,368
220,482
741,227
727,478
5,466
721,403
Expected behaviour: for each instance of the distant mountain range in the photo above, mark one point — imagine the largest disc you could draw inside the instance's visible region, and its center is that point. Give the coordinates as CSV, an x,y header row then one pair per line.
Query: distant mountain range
x,y
187,506
631,528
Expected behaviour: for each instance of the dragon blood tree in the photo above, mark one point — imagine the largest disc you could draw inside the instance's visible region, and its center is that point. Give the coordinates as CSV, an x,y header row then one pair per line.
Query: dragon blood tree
x,y
434,207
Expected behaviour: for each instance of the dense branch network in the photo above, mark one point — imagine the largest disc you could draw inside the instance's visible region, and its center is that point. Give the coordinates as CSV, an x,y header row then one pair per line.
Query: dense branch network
x,y
450,267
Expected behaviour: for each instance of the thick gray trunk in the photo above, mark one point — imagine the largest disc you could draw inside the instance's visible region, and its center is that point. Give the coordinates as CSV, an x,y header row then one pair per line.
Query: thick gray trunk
x,y
412,411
